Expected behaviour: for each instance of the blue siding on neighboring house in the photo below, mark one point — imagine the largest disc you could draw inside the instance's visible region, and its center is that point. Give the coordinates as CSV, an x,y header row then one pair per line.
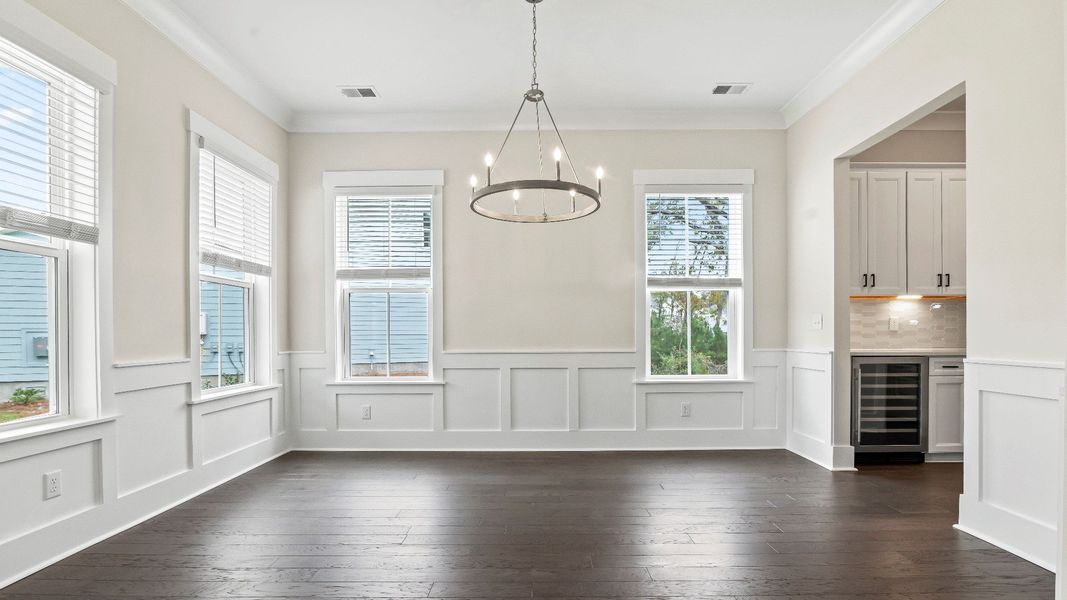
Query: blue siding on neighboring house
x,y
23,316
408,321
231,330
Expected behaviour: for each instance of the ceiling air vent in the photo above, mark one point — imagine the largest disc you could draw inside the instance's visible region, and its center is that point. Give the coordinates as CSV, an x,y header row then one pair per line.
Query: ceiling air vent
x,y
358,91
730,88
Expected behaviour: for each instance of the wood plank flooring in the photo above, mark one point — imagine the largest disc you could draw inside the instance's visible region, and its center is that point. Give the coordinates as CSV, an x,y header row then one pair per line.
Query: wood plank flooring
x,y
762,525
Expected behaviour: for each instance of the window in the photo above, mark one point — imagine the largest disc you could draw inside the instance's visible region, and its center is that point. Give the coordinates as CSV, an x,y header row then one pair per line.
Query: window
x,y
235,259
695,279
384,259
49,157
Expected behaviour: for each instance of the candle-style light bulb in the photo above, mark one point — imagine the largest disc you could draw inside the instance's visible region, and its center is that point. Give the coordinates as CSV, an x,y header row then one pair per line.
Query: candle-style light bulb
x,y
474,181
515,202
557,154
515,195
488,169
573,194
488,159
599,178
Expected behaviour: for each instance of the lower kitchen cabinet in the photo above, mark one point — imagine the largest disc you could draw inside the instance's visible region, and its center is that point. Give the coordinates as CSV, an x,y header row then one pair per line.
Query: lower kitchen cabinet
x,y
946,414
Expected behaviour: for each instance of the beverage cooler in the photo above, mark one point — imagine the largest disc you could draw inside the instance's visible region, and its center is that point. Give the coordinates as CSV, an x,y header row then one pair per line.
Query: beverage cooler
x,y
889,404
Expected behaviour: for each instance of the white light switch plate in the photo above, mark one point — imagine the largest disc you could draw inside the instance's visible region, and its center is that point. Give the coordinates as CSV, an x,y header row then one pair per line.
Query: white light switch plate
x,y
365,411
687,410
816,321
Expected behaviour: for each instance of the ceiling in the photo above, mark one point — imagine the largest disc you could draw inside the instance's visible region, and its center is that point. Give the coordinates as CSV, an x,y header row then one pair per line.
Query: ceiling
x,y
464,64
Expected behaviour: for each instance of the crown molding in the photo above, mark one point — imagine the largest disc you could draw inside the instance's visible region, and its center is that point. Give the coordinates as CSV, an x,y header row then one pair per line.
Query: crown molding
x,y
179,28
577,120
890,27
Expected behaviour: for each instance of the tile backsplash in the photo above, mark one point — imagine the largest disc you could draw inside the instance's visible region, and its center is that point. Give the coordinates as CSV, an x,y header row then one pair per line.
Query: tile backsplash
x,y
923,324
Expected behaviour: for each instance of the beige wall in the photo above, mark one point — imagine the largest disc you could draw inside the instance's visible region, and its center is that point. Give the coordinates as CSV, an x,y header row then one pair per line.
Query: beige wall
x,y
1015,150
918,146
157,82
565,286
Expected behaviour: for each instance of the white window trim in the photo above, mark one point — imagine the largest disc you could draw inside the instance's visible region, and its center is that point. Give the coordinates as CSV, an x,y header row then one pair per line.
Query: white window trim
x,y
335,183
695,181
89,326
263,297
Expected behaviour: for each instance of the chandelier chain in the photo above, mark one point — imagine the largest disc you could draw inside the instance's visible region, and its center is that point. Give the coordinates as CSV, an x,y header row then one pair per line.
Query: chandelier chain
x,y
533,81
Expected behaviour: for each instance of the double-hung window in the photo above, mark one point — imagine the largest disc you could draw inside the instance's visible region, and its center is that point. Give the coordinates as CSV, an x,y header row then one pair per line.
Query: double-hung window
x,y
694,251
235,261
384,261
49,184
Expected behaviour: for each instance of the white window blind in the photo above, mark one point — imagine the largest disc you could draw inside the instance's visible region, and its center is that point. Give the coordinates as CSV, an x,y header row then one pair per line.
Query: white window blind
x,y
695,239
235,223
383,237
48,148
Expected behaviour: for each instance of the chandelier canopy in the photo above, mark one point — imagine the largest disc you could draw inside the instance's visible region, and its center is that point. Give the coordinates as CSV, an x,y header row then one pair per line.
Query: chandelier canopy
x,y
547,200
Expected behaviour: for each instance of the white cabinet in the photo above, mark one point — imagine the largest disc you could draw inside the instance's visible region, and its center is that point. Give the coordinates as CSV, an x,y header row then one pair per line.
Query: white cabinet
x,y
945,414
954,231
879,250
908,232
925,275
937,245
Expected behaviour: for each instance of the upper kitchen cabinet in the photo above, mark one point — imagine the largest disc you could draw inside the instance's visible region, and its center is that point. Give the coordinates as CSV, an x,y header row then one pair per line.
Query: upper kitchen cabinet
x,y
879,249
908,232
936,217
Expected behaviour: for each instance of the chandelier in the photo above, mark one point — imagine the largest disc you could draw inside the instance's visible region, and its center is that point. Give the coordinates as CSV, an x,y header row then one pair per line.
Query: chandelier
x,y
545,200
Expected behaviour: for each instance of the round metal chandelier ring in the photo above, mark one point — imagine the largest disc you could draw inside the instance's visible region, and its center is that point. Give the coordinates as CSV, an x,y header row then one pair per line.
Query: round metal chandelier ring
x,y
535,184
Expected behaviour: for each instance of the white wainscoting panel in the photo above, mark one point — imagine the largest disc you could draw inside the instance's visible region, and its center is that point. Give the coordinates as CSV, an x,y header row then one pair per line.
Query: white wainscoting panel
x,y
399,411
23,488
154,436
810,406
769,386
607,400
547,401
1013,438
235,428
539,399
708,410
311,383
472,399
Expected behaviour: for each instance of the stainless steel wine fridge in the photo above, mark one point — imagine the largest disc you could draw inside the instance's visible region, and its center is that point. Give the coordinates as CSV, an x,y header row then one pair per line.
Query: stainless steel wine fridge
x,y
889,404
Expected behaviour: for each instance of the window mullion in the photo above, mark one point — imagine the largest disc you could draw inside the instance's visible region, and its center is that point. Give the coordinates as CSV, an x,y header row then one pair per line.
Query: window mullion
x,y
388,335
689,330
218,354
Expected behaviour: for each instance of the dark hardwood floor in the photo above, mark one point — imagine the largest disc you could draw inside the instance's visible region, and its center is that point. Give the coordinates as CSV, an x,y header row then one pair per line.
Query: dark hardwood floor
x,y
763,524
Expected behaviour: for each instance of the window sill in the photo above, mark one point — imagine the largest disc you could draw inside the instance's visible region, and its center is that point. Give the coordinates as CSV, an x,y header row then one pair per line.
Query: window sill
x,y
690,381
50,427
363,382
232,393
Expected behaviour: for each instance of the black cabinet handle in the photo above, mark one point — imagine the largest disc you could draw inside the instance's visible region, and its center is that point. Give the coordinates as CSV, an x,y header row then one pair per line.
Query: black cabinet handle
x,y
864,280
948,279
939,280
873,284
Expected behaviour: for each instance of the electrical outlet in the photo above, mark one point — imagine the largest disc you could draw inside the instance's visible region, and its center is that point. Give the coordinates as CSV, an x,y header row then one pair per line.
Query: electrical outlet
x,y
366,412
687,410
53,484
894,323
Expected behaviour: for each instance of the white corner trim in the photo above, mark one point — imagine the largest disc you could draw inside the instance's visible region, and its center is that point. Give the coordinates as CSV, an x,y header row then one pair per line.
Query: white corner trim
x,y
176,26
588,120
33,30
222,142
694,176
344,179
890,27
